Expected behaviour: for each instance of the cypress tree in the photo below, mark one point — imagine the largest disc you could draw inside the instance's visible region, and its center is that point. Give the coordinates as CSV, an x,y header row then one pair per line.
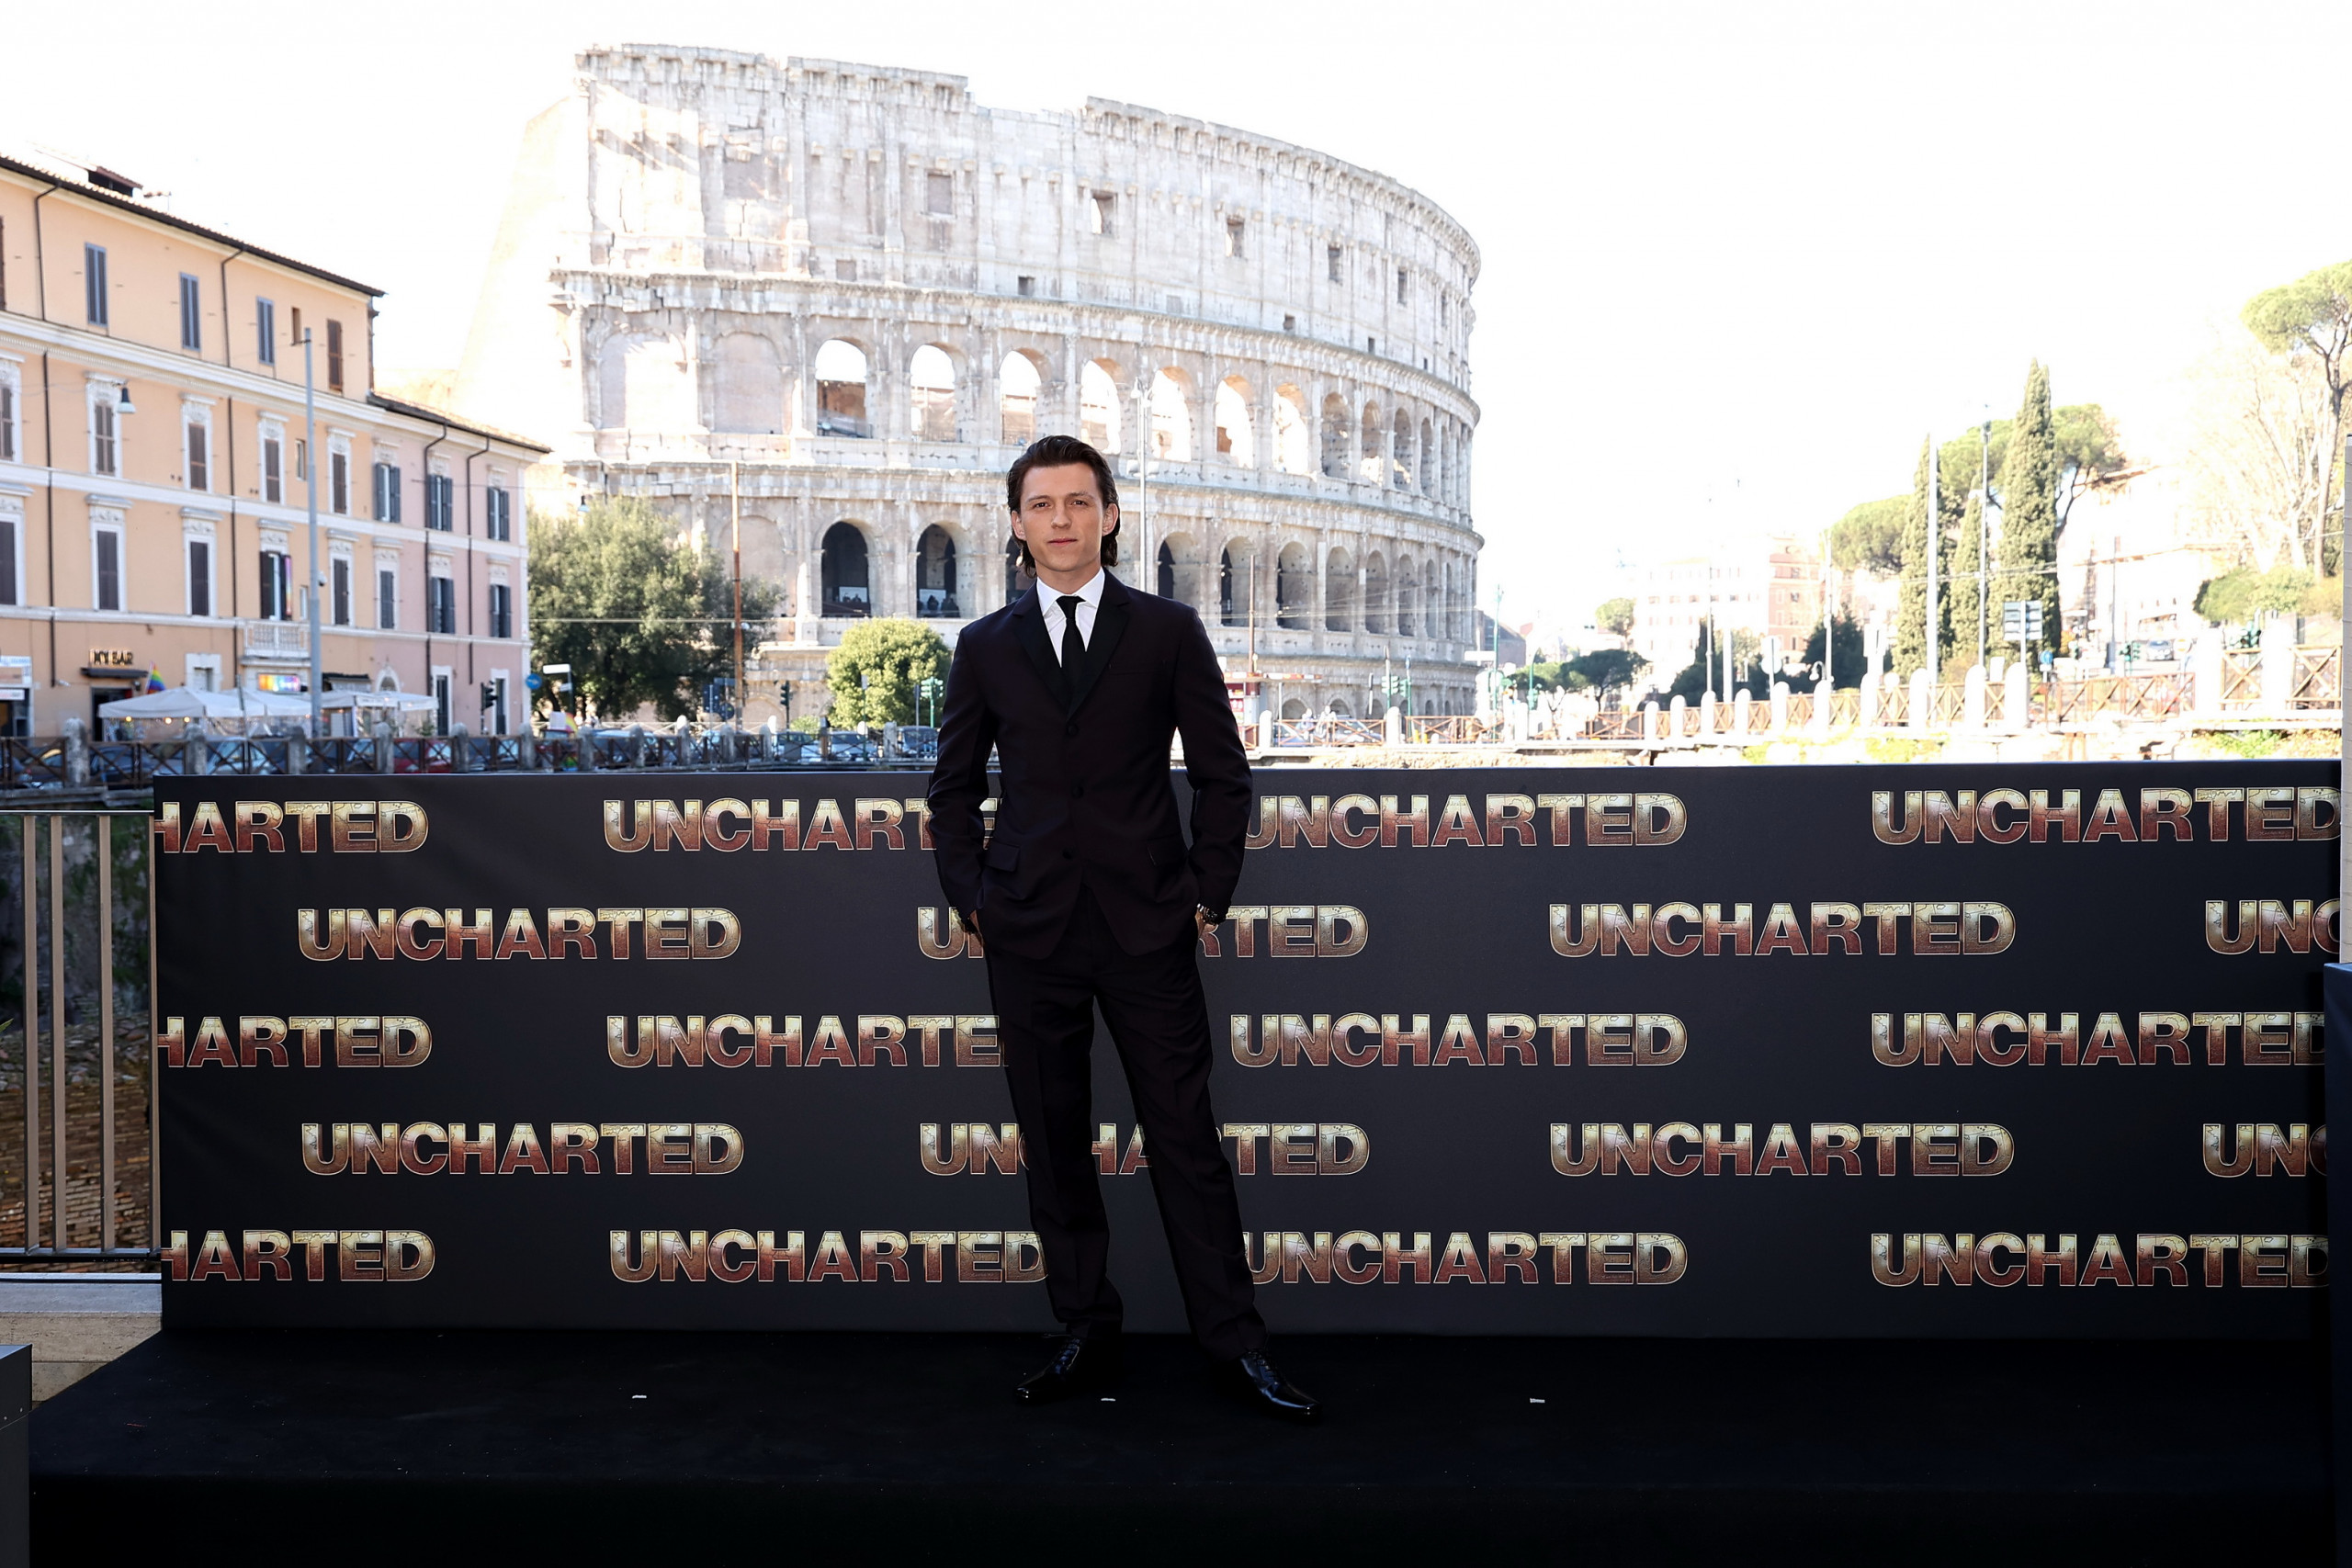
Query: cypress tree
x,y
1963,591
1911,608
2029,552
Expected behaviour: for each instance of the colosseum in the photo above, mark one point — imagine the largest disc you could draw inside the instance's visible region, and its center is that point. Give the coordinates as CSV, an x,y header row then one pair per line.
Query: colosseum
x,y
828,304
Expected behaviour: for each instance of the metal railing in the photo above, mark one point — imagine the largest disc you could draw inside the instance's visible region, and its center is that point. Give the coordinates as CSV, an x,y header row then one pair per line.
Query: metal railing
x,y
79,874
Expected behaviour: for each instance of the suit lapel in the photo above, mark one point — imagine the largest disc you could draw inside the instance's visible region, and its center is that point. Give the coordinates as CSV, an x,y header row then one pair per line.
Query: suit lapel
x,y
1109,625
1029,631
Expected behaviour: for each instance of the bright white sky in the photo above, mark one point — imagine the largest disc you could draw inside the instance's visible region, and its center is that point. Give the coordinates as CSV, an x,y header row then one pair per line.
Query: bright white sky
x,y
1739,251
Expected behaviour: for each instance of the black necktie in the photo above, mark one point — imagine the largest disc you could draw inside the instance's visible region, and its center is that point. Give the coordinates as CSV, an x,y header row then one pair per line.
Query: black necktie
x,y
1073,645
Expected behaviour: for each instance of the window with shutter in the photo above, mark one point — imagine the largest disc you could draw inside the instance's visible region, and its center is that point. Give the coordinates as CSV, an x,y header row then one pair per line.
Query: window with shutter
x,y
191,315
94,284
339,483
199,577
273,469
265,330
341,580
102,453
388,599
8,561
199,475
108,572
335,356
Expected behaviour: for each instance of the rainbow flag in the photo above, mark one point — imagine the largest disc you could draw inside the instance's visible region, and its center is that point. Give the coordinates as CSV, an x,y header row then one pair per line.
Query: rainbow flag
x,y
155,679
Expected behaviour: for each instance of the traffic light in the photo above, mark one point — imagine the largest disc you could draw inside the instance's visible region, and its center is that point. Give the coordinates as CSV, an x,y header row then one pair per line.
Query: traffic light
x,y
489,696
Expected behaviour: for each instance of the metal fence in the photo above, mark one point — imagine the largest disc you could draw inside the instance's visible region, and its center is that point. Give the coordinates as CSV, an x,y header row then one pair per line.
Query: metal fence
x,y
78,1179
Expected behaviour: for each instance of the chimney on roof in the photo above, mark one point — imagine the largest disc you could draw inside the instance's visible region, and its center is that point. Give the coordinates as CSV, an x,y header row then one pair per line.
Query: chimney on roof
x,y
107,179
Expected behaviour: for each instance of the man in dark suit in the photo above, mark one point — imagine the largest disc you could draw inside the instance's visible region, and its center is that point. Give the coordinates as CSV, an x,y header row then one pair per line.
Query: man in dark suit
x,y
1086,894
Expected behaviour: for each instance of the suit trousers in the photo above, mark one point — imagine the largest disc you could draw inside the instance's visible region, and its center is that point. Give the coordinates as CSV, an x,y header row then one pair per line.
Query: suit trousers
x,y
1159,1020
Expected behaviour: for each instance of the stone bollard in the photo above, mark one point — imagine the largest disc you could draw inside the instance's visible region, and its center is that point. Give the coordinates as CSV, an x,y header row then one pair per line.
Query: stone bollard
x,y
2207,661
891,739
526,748
1922,699
1743,713
2016,697
1780,713
586,751
727,757
77,753
1866,710
297,754
1707,710
824,740
768,740
638,740
1265,729
461,748
1972,698
1649,720
1825,699
383,733
1392,726
2277,664
1675,708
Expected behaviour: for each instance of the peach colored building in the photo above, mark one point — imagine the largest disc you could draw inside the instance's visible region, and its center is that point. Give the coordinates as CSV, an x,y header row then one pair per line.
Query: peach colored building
x,y
154,467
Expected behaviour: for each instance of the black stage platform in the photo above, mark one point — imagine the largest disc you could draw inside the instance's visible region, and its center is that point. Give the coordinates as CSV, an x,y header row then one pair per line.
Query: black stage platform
x,y
417,1445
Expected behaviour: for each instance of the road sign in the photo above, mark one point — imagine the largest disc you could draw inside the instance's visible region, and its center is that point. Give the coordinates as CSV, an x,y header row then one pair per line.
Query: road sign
x,y
2021,620
532,681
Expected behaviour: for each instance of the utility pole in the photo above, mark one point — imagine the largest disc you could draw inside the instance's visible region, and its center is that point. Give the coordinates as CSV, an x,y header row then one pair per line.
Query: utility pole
x,y
1146,559
1935,543
311,475
1829,630
735,510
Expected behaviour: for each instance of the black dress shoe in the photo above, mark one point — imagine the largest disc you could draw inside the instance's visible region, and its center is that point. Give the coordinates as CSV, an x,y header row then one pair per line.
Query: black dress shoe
x,y
1079,1365
1254,1380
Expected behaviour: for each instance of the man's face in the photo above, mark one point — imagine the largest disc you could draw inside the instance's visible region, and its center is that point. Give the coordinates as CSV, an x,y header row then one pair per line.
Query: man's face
x,y
1062,520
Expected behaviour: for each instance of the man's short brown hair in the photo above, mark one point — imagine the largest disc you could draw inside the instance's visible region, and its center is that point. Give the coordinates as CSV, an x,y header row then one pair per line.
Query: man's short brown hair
x,y
1062,452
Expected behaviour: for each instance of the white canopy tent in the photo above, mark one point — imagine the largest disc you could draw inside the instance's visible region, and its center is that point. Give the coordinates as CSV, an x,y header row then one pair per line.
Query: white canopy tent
x,y
194,703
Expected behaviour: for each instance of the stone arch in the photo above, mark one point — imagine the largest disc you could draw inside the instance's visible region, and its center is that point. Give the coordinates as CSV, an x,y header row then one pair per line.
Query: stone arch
x,y
931,394
1017,580
1335,437
1294,446
1400,453
1179,568
1339,591
1236,435
1097,405
1236,578
1428,459
1408,598
1294,588
842,380
938,580
1172,415
1436,601
1339,708
1375,593
1294,709
749,397
846,570
1019,380
1370,461
643,384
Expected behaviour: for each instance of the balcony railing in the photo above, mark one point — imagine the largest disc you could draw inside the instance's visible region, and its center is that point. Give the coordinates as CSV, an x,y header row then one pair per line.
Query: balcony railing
x,y
277,640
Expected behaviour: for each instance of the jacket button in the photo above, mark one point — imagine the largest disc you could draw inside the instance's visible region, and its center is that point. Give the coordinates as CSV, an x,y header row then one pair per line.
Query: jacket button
x,y
1077,790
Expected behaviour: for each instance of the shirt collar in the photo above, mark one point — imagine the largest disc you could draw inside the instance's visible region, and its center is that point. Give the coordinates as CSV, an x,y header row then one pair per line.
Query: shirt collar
x,y
1091,593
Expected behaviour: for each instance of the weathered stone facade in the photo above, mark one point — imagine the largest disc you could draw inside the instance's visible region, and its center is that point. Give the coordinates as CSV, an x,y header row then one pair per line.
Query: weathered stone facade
x,y
851,294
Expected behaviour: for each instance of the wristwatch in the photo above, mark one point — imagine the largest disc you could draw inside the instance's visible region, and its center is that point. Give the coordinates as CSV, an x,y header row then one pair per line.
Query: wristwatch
x,y
1214,917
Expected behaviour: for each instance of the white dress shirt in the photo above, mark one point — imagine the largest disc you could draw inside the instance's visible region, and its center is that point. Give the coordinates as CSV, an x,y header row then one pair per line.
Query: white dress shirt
x,y
1089,600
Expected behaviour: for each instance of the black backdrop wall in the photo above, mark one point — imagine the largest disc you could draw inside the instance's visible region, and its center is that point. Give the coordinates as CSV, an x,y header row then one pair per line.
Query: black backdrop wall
x,y
1852,1051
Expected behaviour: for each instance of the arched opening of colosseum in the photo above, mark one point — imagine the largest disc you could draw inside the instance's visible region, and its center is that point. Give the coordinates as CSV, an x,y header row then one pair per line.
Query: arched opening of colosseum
x,y
643,385
1237,584
840,389
1339,592
1339,708
1017,383
1371,466
1097,405
1437,600
1017,580
750,398
1293,590
1294,709
931,380
1428,459
1375,593
844,571
1408,597
1180,569
1294,451
1335,437
1236,440
1171,416
936,596
1400,472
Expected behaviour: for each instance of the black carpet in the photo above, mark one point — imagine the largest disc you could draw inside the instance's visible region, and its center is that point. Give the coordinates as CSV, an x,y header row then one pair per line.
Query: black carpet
x,y
410,1446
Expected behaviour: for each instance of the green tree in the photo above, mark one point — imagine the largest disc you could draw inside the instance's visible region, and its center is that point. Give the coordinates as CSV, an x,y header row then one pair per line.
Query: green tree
x,y
1705,671
873,672
2237,597
2089,452
1923,528
641,614
2311,318
1615,616
1869,537
2029,554
1606,669
1846,668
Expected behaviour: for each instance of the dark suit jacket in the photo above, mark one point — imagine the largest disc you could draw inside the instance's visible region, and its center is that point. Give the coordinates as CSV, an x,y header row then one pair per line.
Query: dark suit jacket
x,y
1088,791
